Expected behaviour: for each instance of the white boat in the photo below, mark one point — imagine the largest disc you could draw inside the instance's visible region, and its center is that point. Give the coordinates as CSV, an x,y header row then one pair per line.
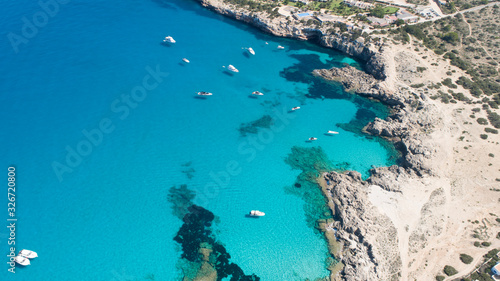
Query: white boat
x,y
169,39
251,51
267,43
281,47
312,139
333,133
257,93
28,254
22,260
185,60
232,68
256,213
204,94
295,108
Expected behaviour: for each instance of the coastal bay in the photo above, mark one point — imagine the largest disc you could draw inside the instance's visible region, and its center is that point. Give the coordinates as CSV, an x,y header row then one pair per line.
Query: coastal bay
x,y
112,203
424,207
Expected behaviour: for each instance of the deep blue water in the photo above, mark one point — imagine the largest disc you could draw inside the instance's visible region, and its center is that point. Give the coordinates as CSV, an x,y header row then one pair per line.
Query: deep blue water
x,y
105,215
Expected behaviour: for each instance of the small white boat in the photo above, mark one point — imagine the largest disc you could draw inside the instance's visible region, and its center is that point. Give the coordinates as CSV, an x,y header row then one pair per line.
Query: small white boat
x,y
232,68
281,47
22,260
267,43
256,213
204,94
251,51
312,139
28,254
295,108
185,60
169,39
332,133
257,93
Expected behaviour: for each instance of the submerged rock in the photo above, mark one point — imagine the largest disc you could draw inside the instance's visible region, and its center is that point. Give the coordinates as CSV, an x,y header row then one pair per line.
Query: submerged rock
x,y
253,127
202,250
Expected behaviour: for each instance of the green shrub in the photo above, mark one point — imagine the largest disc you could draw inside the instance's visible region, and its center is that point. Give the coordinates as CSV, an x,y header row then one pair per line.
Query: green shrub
x,y
448,83
459,96
491,253
482,121
451,37
491,155
440,278
486,244
491,131
483,136
494,119
477,244
466,258
438,51
450,270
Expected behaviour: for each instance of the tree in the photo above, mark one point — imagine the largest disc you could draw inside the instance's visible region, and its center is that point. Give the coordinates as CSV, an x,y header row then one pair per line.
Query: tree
x,y
466,258
451,37
400,22
450,270
378,12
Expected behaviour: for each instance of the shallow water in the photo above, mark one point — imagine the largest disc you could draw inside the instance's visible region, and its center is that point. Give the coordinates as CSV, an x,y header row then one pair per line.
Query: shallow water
x,y
105,215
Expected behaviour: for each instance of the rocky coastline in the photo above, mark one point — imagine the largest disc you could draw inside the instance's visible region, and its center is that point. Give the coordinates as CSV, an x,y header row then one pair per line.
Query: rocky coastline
x,y
295,29
374,242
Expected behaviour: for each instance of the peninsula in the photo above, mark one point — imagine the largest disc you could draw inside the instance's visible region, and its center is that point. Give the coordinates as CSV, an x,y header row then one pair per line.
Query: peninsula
x,y
436,214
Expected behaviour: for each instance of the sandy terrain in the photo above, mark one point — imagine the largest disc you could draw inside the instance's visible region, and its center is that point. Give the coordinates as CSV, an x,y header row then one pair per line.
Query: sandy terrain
x,y
434,214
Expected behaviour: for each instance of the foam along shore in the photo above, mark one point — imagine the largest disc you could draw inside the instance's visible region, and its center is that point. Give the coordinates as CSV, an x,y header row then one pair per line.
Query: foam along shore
x,y
404,222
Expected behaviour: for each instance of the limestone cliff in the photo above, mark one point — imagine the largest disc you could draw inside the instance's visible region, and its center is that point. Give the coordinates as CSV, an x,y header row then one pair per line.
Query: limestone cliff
x,y
291,28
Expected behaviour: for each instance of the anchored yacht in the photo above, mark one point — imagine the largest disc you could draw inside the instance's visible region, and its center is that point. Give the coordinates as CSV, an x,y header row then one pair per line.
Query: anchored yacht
x,y
28,254
257,93
251,51
169,39
232,68
22,260
204,94
256,213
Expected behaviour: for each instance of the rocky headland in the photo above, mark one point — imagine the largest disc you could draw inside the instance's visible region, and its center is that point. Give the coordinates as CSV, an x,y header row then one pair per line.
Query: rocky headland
x,y
404,222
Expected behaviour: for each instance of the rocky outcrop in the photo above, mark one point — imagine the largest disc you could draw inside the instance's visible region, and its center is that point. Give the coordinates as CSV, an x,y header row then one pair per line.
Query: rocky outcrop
x,y
371,252
410,121
361,83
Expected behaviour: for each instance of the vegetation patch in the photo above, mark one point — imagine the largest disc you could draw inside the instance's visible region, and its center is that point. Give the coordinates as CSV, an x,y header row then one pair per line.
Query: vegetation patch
x,y
466,258
491,131
450,270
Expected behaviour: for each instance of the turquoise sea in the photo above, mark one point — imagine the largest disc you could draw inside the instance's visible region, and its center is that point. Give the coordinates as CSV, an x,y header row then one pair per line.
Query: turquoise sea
x,y
100,120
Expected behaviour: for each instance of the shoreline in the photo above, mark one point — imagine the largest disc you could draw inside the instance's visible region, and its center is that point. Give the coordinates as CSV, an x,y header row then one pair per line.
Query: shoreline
x,y
404,222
